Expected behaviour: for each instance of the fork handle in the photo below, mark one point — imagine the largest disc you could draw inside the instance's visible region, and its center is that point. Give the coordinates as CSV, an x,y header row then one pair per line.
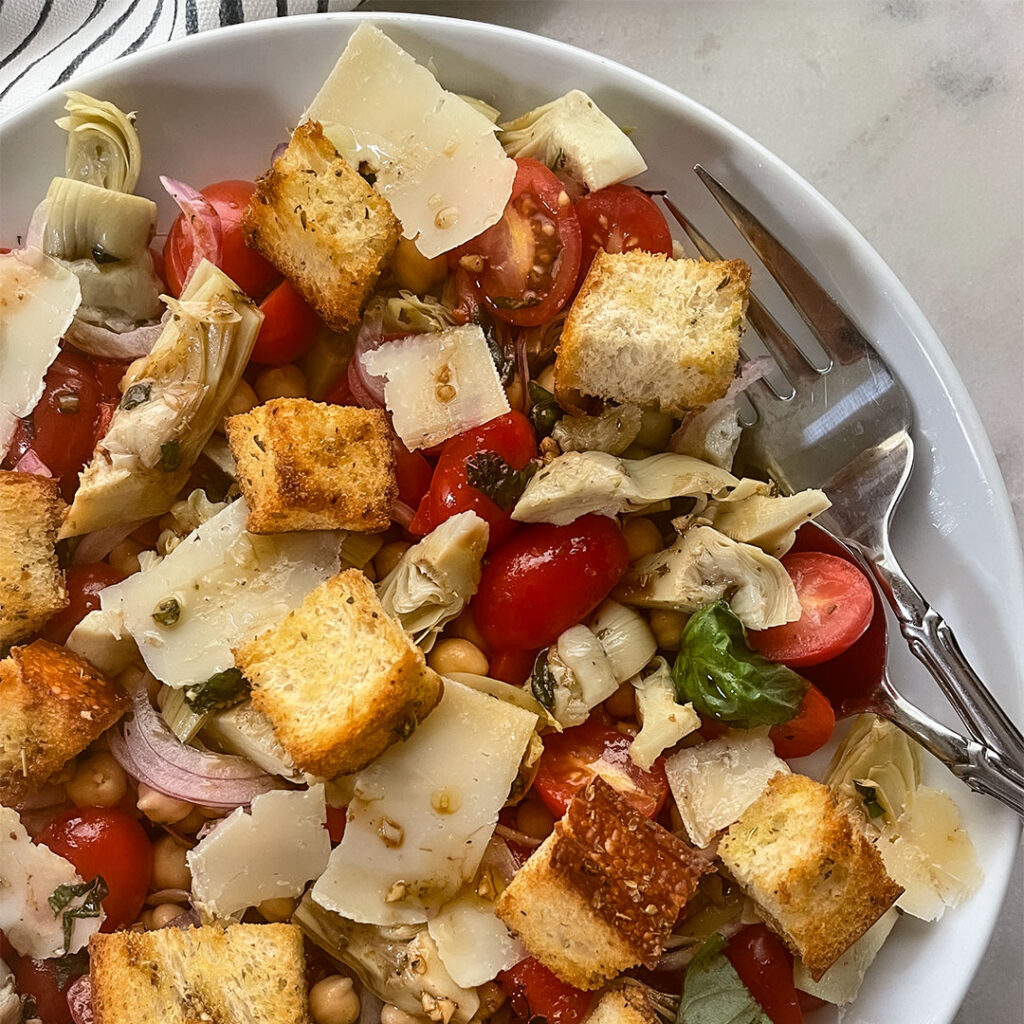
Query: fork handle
x,y
934,644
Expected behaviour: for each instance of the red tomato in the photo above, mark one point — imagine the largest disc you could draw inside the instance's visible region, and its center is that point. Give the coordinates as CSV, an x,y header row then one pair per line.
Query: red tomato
x,y
290,326
38,979
810,730
336,819
547,578
108,842
620,218
572,758
84,583
836,604
513,667
535,992
511,436
766,968
525,266
414,475
246,267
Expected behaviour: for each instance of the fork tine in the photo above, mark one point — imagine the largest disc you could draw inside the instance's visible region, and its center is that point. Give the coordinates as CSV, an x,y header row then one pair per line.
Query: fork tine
x,y
838,334
793,362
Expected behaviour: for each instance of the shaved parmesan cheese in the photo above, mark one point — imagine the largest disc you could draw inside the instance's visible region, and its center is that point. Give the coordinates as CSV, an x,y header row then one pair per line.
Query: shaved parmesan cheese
x,y
424,811
38,301
271,852
713,783
229,586
841,982
436,158
29,874
472,942
438,384
103,641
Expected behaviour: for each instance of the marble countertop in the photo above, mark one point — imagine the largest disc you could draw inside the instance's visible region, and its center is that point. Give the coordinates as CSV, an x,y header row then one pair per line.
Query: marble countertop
x,y
907,115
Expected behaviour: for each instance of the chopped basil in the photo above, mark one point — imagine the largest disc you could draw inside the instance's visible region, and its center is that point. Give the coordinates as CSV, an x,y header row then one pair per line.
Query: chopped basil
x,y
542,682
727,680
167,612
713,993
490,474
546,412
94,892
170,456
221,690
136,395
869,795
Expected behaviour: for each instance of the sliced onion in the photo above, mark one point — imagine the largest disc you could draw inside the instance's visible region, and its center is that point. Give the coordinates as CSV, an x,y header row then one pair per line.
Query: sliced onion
x,y
523,365
402,513
367,389
278,152
370,1007
107,344
499,859
79,997
147,749
201,221
186,919
31,463
514,836
97,545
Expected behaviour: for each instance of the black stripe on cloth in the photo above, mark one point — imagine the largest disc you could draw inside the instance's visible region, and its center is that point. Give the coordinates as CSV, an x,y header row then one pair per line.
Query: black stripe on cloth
x,y
282,8
191,17
231,12
148,32
321,6
32,33
98,41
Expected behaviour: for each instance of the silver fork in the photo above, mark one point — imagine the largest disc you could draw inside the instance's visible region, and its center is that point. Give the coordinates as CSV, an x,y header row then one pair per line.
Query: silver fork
x,y
846,427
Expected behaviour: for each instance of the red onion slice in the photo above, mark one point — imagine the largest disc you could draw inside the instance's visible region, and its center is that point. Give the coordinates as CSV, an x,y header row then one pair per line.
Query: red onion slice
x,y
106,344
367,389
201,221
79,997
32,464
147,749
402,513
278,152
97,545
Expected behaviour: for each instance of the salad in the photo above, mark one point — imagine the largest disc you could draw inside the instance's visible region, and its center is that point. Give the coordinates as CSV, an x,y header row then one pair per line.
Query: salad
x,y
389,630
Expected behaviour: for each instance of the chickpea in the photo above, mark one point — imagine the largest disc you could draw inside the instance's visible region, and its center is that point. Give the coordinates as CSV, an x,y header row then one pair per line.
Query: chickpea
x,y
415,271
667,627
278,908
242,399
642,537
160,808
333,1000
492,998
393,1015
286,381
622,703
458,655
163,914
170,868
192,822
465,627
124,557
99,781
546,378
534,819
212,813
388,557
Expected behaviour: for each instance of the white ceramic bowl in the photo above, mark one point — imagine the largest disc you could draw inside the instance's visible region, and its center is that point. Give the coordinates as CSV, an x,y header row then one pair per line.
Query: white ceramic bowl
x,y
214,106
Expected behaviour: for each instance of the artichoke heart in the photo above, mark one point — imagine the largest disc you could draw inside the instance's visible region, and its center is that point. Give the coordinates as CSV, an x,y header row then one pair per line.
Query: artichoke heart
x,y
145,457
103,147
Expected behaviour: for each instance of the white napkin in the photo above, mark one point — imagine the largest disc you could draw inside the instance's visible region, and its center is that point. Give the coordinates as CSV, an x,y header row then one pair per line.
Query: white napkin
x,y
45,42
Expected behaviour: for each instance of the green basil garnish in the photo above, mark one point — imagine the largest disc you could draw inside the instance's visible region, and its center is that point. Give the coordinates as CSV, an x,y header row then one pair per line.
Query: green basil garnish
x,y
94,892
490,474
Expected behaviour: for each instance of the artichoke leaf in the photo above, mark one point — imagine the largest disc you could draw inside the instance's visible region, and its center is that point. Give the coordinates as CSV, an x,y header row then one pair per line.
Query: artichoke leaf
x,y
663,720
626,637
612,431
103,147
581,673
178,393
769,521
407,312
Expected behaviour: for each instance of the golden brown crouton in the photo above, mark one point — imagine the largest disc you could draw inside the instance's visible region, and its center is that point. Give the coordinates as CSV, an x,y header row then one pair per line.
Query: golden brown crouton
x,y
245,972
339,679
624,1001
31,581
602,892
818,882
309,466
53,704
322,226
651,331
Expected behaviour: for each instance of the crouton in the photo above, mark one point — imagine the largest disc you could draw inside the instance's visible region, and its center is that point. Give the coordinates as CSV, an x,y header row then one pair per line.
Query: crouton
x,y
815,878
244,972
625,1001
602,892
308,466
31,581
339,679
651,331
53,704
322,226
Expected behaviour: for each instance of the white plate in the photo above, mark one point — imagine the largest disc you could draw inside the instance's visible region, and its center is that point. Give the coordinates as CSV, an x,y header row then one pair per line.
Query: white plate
x,y
214,106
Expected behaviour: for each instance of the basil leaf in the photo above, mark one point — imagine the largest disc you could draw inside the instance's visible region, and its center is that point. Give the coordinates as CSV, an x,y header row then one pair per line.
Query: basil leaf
x,y
61,897
727,680
490,474
221,690
713,992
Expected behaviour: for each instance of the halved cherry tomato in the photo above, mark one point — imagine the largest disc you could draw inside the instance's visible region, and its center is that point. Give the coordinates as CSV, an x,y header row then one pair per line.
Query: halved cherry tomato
x,y
525,266
546,578
535,992
766,968
836,604
620,218
290,326
414,474
84,583
809,731
513,667
38,979
572,758
109,842
511,436
246,267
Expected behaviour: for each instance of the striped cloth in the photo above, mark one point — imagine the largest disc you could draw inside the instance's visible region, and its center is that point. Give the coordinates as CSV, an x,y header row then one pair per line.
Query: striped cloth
x,y
44,42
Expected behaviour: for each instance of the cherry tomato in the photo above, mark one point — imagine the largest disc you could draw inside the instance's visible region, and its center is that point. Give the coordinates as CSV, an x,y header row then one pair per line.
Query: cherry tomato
x,y
620,218
414,474
290,326
84,583
246,267
809,731
336,819
109,842
547,578
836,604
513,667
511,436
525,266
572,758
38,979
535,992
766,968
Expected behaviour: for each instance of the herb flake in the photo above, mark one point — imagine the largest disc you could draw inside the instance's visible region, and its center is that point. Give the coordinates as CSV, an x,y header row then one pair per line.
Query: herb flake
x,y
136,395
869,794
170,456
490,474
61,898
221,690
